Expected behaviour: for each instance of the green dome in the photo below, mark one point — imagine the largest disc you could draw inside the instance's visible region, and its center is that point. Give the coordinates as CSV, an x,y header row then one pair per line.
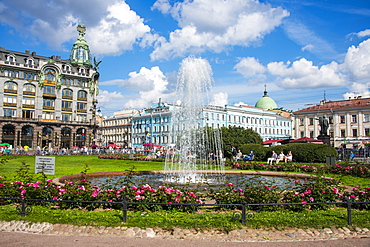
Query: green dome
x,y
266,102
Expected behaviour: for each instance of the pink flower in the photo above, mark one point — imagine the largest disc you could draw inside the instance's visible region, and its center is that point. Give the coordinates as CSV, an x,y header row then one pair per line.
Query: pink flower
x,y
312,199
23,192
55,198
352,196
230,184
323,191
95,193
205,189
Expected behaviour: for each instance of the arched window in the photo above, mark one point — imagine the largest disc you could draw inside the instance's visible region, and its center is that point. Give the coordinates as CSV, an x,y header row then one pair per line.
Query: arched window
x,y
29,88
9,85
82,95
49,75
67,93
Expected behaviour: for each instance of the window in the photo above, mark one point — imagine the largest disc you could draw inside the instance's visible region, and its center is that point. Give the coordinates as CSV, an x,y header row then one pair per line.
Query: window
x,y
367,132
343,133
67,93
66,116
81,95
354,118
81,118
67,81
10,112
311,120
66,105
366,117
10,73
49,75
311,134
10,99
302,134
342,119
66,67
30,62
354,132
10,58
49,90
81,106
48,102
47,115
9,85
28,100
29,88
29,76
301,122
331,120
28,114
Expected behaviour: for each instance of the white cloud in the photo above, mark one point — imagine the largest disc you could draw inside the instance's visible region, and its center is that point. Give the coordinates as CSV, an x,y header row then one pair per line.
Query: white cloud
x,y
109,100
358,89
112,27
215,25
151,83
308,47
117,31
249,66
219,99
303,74
361,34
357,61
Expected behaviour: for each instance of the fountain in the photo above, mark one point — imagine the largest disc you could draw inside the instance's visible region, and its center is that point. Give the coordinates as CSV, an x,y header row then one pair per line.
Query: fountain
x,y
197,147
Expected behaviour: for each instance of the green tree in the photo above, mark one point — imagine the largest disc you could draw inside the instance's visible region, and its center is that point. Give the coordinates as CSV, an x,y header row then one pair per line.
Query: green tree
x,y
238,136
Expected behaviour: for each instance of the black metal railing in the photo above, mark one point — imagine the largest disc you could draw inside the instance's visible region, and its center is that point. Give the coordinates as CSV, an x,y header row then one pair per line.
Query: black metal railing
x,y
23,208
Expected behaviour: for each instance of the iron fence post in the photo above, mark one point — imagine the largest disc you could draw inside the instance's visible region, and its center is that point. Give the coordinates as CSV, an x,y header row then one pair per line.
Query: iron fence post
x,y
244,213
124,218
349,210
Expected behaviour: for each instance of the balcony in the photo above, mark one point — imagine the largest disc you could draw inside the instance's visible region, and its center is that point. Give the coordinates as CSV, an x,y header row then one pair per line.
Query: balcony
x,y
67,109
28,106
10,104
29,93
67,97
46,95
81,99
48,107
10,91
81,111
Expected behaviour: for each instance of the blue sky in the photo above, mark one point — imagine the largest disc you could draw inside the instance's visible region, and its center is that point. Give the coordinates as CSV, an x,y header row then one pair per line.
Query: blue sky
x,y
302,50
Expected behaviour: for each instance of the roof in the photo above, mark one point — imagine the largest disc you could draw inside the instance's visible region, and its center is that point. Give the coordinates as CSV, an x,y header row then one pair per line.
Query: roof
x,y
266,102
342,104
306,139
268,142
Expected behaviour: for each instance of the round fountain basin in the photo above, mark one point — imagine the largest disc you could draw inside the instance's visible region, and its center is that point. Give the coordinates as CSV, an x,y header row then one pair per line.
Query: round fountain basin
x,y
158,178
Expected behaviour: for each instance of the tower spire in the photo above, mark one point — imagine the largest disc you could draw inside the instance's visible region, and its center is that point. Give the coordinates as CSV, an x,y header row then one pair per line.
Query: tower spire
x,y
80,54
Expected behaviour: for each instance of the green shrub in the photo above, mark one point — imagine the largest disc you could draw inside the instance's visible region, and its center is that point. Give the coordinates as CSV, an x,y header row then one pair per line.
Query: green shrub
x,y
258,149
305,152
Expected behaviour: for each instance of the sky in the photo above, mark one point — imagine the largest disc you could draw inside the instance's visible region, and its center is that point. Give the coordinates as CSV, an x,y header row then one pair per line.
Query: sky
x,y
304,51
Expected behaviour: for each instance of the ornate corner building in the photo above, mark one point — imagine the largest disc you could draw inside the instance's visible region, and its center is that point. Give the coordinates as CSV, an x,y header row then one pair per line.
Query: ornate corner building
x,y
48,101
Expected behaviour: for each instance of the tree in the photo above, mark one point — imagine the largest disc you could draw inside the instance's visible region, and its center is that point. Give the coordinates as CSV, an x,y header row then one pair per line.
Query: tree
x,y
238,136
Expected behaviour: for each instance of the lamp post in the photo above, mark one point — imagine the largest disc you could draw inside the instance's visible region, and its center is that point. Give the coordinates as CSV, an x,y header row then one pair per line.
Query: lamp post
x,y
94,122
